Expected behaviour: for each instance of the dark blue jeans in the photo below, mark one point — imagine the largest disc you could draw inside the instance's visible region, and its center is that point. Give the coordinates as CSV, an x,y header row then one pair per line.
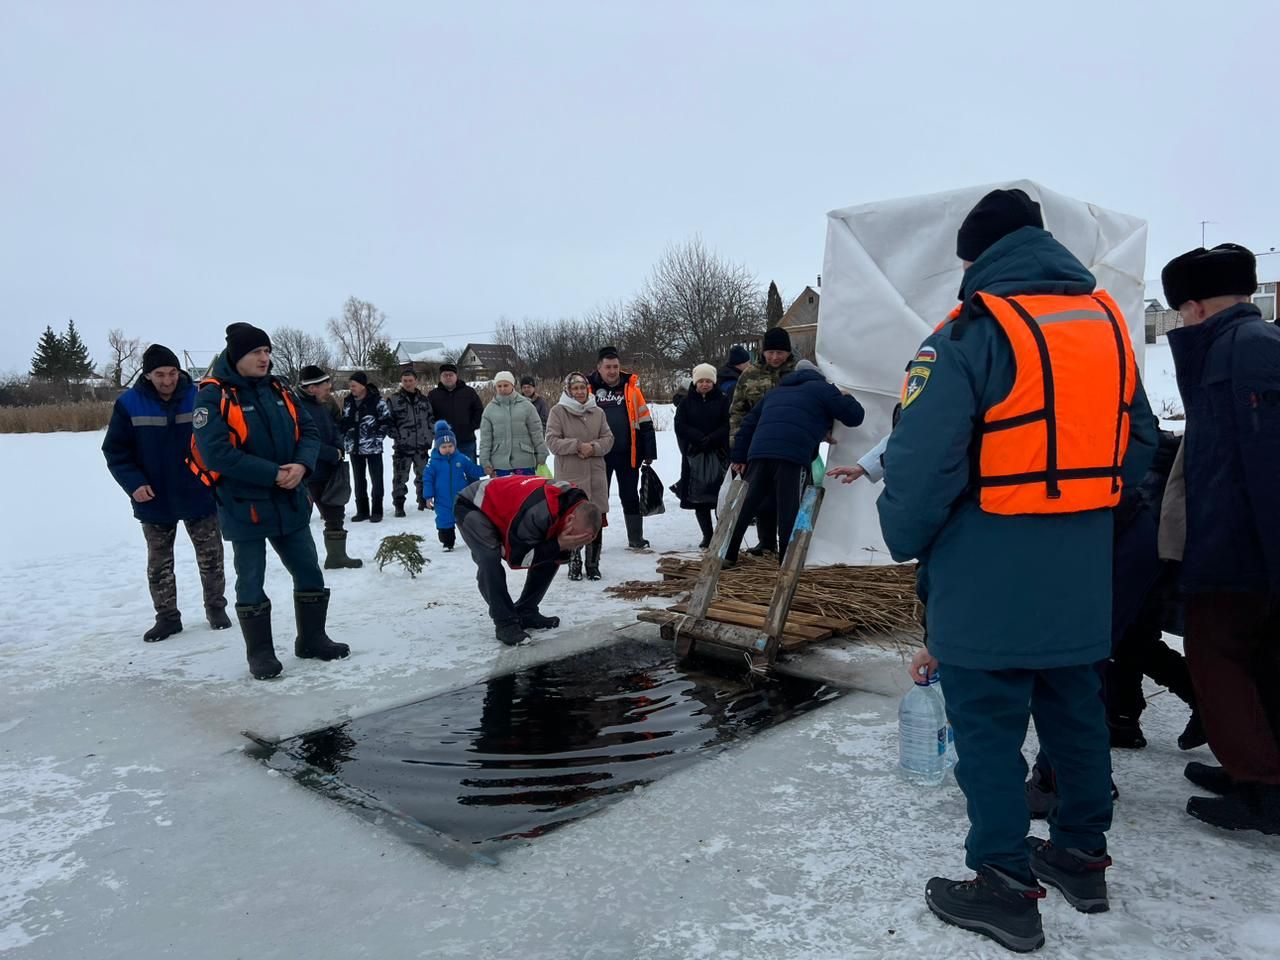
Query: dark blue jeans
x,y
297,551
988,710
518,472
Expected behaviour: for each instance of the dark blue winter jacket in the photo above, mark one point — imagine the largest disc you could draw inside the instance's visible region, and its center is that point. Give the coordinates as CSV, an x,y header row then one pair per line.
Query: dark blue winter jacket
x,y
250,505
1229,376
1030,591
147,444
445,478
793,419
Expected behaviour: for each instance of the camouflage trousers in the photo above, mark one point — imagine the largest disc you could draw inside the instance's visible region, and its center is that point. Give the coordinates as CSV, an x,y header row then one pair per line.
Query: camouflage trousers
x,y
206,538
400,465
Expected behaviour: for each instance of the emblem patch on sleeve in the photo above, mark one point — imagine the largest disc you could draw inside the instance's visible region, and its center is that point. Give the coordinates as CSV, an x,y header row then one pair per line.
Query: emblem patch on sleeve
x,y
917,377
926,355
200,417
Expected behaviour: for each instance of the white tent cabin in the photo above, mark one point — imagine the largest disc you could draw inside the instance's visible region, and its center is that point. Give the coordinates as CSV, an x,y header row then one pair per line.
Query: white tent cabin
x,y
890,275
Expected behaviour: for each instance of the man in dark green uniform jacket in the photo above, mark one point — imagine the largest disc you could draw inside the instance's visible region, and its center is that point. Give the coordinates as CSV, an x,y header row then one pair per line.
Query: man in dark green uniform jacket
x,y
249,431
1018,606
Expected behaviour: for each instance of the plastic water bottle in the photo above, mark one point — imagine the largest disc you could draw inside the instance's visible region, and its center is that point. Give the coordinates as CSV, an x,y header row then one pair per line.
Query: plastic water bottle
x,y
922,734
950,760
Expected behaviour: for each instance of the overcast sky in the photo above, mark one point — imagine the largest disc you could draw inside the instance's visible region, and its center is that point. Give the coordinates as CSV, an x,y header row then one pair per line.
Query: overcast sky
x,y
171,167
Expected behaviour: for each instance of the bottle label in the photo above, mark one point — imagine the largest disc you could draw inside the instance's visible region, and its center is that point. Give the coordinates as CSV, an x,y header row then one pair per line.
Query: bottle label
x,y
942,740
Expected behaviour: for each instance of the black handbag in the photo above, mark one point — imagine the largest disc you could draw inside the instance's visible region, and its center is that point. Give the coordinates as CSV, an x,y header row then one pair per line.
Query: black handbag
x,y
337,489
650,492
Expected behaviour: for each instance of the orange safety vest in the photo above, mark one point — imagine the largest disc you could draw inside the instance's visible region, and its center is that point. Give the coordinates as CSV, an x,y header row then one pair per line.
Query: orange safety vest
x,y
230,411
1056,442
637,410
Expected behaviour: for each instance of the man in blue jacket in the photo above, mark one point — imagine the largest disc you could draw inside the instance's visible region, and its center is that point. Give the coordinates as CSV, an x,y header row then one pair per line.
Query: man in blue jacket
x,y
256,447
1227,360
776,444
146,449
1018,600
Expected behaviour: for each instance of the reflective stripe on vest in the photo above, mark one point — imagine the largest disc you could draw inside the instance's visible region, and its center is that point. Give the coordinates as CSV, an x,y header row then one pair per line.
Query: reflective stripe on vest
x,y
230,410
504,500
1056,442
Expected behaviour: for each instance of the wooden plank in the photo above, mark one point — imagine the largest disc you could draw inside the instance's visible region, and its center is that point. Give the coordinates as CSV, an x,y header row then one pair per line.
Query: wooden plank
x,y
784,589
709,575
793,616
798,631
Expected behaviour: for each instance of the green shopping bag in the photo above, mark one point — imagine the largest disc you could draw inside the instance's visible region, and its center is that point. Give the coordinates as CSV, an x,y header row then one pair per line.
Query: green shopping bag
x,y
543,471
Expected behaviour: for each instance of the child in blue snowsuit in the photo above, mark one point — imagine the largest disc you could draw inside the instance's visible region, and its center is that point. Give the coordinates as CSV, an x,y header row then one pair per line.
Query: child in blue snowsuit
x,y
448,472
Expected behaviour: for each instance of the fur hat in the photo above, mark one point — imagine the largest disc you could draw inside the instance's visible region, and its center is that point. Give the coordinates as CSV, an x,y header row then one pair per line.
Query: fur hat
x,y
158,355
1228,269
243,339
504,376
776,338
704,371
994,217
311,374
445,434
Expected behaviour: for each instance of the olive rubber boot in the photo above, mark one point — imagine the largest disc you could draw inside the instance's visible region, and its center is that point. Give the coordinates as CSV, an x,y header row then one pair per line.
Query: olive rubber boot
x,y
335,552
255,624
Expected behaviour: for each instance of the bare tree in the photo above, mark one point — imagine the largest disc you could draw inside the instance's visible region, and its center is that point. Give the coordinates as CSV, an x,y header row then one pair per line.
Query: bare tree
x,y
125,357
293,348
358,330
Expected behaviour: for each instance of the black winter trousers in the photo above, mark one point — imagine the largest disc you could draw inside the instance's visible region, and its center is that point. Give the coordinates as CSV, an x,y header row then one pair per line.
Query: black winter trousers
x,y
776,484
628,483
484,542
372,462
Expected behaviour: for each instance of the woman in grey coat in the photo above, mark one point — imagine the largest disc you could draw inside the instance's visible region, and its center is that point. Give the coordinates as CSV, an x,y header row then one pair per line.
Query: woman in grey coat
x,y
511,438
578,435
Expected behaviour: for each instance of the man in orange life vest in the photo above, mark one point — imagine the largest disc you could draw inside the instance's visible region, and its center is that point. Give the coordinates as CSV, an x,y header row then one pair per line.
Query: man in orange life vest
x,y
1022,419
251,443
528,522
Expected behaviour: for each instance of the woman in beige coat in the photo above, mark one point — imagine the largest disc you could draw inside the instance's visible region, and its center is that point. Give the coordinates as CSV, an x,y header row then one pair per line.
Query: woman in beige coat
x,y
578,436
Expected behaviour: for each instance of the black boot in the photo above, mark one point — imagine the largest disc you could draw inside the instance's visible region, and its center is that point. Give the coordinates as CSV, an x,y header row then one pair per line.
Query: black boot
x,y
255,624
362,509
399,505
635,532
166,625
375,512
1192,735
593,557
1251,806
536,621
1125,732
311,607
335,552
1042,791
1211,778
1081,877
217,617
575,565
511,634
992,904
422,504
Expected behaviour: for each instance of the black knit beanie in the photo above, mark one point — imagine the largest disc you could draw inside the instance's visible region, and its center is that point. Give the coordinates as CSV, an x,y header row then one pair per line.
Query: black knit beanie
x,y
158,355
244,338
776,338
311,374
996,216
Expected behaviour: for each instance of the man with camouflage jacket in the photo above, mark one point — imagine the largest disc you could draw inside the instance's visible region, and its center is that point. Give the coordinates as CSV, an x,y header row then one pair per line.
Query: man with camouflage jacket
x,y
413,432
776,362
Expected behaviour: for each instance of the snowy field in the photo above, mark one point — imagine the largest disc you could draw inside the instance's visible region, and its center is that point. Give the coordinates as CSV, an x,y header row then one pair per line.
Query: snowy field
x,y
132,824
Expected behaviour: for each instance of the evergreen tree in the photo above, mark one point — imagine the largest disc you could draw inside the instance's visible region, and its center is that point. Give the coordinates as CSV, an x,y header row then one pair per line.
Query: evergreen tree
x,y
773,309
76,364
383,363
48,363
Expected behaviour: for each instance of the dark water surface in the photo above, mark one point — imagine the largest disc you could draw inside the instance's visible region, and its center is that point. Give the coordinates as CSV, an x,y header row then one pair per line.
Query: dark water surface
x,y
514,756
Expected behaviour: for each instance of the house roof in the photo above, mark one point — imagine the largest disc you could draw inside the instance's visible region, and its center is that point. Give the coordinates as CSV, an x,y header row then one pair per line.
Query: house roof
x,y
493,356
422,351
803,311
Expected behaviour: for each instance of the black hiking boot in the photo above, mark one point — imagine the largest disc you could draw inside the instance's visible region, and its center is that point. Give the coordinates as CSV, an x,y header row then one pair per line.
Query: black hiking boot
x,y
399,505
1126,734
217,617
422,504
311,607
992,904
255,624
1250,806
1081,877
704,543
536,621
575,565
1211,778
1042,792
593,557
361,514
1192,735
166,625
512,634
335,552
635,532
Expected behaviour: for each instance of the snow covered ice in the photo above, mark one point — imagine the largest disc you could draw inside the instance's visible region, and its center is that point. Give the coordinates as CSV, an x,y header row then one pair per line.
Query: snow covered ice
x,y
133,824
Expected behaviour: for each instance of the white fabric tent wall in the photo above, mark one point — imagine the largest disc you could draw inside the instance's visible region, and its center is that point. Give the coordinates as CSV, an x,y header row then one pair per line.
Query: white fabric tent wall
x,y
890,275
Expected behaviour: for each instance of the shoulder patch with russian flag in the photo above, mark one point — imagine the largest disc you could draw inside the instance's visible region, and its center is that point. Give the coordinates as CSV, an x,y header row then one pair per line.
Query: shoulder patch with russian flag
x,y
926,354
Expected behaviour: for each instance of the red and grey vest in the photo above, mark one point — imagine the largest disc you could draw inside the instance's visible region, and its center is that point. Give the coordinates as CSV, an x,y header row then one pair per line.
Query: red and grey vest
x,y
506,501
